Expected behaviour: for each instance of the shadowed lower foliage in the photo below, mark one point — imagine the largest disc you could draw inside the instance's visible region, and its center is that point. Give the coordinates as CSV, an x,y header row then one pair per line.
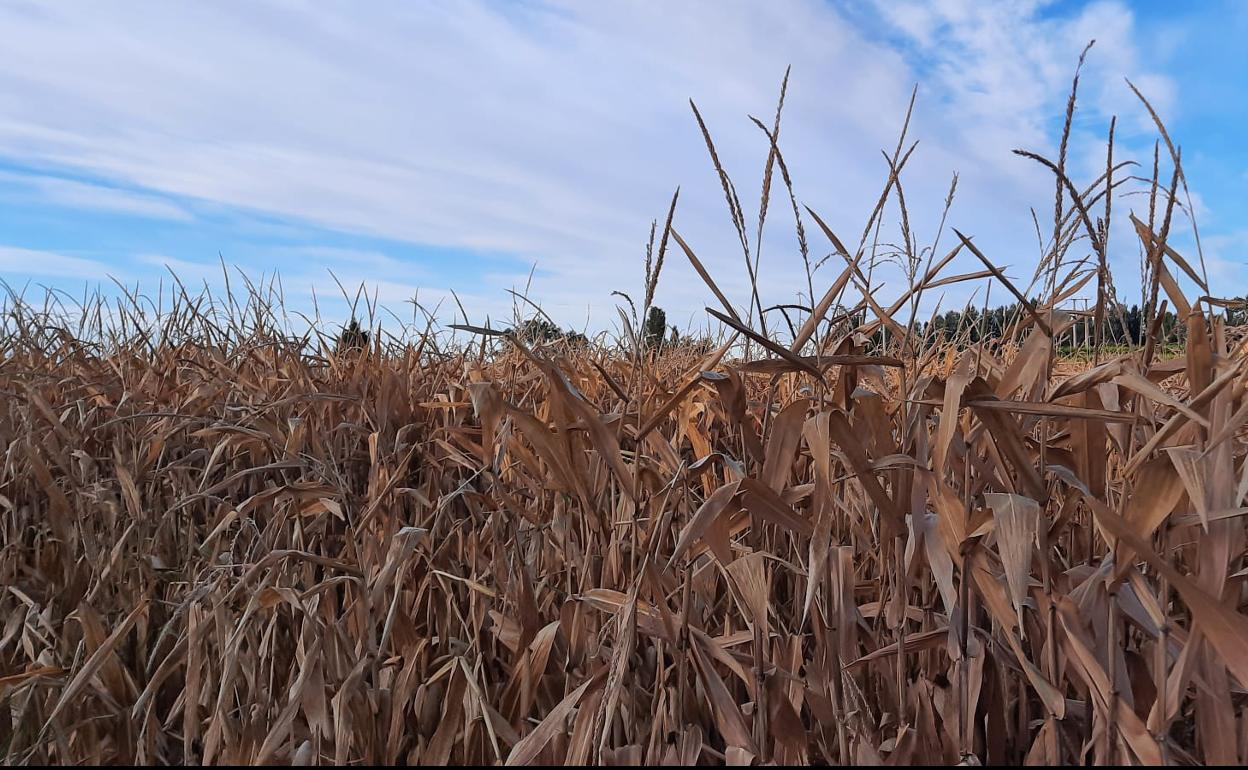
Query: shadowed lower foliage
x,y
870,543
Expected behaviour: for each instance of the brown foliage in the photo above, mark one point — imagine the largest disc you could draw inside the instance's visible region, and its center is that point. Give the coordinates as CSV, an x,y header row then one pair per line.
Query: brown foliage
x,y
245,552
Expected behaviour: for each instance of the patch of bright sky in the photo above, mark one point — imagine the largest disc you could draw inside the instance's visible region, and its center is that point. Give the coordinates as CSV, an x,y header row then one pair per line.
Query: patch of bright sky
x,y
1199,84
452,147
108,233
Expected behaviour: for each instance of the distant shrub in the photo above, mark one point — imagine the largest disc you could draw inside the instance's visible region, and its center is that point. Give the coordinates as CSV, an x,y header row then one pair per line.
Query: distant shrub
x,y
542,330
352,337
656,327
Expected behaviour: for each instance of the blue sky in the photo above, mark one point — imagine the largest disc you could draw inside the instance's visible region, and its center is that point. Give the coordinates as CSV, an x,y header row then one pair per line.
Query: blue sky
x,y
424,147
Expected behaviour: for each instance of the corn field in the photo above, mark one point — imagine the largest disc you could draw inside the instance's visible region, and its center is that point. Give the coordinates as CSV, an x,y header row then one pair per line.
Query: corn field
x,y
224,543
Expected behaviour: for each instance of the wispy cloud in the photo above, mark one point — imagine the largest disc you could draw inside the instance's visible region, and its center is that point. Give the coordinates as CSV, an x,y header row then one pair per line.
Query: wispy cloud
x,y
16,261
70,193
554,132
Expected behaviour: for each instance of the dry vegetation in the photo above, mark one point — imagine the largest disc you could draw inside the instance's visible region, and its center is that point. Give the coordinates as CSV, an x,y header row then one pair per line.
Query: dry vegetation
x,y
225,545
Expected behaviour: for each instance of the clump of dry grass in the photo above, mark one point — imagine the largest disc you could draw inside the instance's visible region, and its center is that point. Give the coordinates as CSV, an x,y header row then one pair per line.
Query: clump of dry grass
x,y
225,544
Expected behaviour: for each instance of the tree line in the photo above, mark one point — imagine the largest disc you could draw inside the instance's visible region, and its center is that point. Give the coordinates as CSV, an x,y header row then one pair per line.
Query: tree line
x,y
1120,326
966,326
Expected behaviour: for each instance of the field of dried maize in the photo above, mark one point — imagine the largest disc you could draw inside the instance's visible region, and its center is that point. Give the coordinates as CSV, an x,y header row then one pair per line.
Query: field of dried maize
x,y
222,544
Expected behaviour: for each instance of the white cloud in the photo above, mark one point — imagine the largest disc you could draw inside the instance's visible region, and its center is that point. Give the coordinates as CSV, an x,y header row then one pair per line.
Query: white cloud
x,y
331,280
193,274
1006,68
81,195
1226,258
48,264
552,132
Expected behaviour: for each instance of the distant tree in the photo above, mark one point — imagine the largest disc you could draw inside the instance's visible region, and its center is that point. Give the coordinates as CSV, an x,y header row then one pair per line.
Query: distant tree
x,y
352,337
675,339
1237,315
656,326
540,330
973,325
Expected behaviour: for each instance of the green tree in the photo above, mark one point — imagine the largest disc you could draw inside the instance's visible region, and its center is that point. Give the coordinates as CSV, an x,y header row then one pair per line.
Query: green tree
x,y
1237,315
656,327
541,330
352,337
